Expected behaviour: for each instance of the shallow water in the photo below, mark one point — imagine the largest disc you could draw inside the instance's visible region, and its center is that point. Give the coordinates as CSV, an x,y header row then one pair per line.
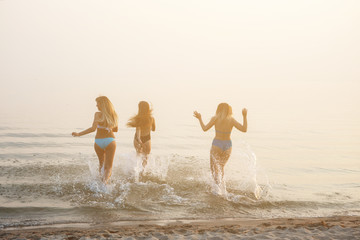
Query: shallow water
x,y
49,177
294,66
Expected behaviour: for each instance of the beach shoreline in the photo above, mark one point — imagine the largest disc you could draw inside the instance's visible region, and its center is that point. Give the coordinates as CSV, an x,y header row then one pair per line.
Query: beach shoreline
x,y
336,227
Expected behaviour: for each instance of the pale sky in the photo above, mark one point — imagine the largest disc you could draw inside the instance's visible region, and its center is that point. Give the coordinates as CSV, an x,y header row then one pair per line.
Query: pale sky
x,y
60,55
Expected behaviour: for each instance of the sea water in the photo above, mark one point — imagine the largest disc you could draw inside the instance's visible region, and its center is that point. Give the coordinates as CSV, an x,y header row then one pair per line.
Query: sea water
x,y
49,177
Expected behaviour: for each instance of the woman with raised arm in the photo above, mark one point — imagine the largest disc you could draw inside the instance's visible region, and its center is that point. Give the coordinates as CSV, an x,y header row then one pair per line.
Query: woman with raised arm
x,y
221,146
105,124
144,123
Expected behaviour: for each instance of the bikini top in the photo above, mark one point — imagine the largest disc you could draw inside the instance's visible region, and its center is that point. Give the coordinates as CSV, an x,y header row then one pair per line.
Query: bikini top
x,y
105,128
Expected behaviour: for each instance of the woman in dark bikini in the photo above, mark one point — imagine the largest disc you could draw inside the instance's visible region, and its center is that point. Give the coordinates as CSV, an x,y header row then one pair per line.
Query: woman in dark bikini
x,y
144,123
105,124
221,146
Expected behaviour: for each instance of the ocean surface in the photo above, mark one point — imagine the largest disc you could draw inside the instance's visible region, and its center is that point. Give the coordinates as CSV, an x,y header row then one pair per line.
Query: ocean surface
x,y
294,65
49,177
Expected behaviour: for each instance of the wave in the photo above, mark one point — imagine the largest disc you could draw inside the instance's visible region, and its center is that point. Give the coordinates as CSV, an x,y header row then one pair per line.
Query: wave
x,y
174,186
42,145
166,185
34,135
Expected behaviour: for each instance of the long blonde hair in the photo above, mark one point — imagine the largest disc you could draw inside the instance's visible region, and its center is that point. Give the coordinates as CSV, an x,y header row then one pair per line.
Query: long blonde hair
x,y
144,116
109,118
223,111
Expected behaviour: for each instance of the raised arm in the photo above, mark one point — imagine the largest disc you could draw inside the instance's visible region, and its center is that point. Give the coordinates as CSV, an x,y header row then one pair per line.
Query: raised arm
x,y
203,126
237,125
90,129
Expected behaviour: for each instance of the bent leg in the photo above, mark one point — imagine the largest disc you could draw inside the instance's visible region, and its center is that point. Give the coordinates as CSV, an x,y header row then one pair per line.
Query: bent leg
x,y
146,152
224,157
108,163
215,153
101,155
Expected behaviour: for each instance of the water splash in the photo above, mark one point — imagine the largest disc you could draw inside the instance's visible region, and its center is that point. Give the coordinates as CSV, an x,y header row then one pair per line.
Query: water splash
x,y
130,164
244,175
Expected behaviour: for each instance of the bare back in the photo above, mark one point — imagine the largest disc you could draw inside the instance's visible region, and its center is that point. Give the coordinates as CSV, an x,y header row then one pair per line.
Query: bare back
x,y
146,129
102,132
223,128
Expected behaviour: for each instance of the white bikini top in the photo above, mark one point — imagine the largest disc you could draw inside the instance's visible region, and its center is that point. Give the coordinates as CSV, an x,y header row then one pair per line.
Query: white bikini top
x,y
105,128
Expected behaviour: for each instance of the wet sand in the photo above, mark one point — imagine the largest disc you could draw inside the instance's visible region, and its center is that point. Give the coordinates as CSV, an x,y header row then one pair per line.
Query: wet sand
x,y
339,227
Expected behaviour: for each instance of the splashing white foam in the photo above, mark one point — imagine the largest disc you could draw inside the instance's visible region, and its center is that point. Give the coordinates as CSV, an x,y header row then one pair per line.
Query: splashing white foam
x,y
243,172
131,166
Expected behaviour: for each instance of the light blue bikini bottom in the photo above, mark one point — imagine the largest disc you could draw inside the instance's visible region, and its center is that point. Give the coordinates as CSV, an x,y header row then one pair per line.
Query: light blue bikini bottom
x,y
104,142
222,144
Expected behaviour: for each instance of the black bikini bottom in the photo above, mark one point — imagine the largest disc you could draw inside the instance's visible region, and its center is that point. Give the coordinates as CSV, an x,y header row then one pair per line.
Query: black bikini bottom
x,y
144,139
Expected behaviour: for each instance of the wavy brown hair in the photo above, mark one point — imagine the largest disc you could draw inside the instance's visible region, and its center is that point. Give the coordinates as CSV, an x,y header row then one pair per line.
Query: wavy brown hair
x,y
143,118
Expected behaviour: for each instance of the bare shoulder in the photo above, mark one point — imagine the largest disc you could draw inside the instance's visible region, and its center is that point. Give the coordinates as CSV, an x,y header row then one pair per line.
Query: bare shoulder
x,y
97,115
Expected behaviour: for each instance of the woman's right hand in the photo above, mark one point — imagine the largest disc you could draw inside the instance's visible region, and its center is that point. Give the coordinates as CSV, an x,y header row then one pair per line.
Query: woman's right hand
x,y
197,115
75,134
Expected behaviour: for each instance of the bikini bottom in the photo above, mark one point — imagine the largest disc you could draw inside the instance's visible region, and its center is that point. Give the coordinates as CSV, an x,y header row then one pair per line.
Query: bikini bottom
x,y
144,139
104,142
222,144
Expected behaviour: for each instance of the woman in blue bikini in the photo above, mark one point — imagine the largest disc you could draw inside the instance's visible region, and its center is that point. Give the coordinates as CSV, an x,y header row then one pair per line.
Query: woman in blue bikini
x,y
221,146
105,124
